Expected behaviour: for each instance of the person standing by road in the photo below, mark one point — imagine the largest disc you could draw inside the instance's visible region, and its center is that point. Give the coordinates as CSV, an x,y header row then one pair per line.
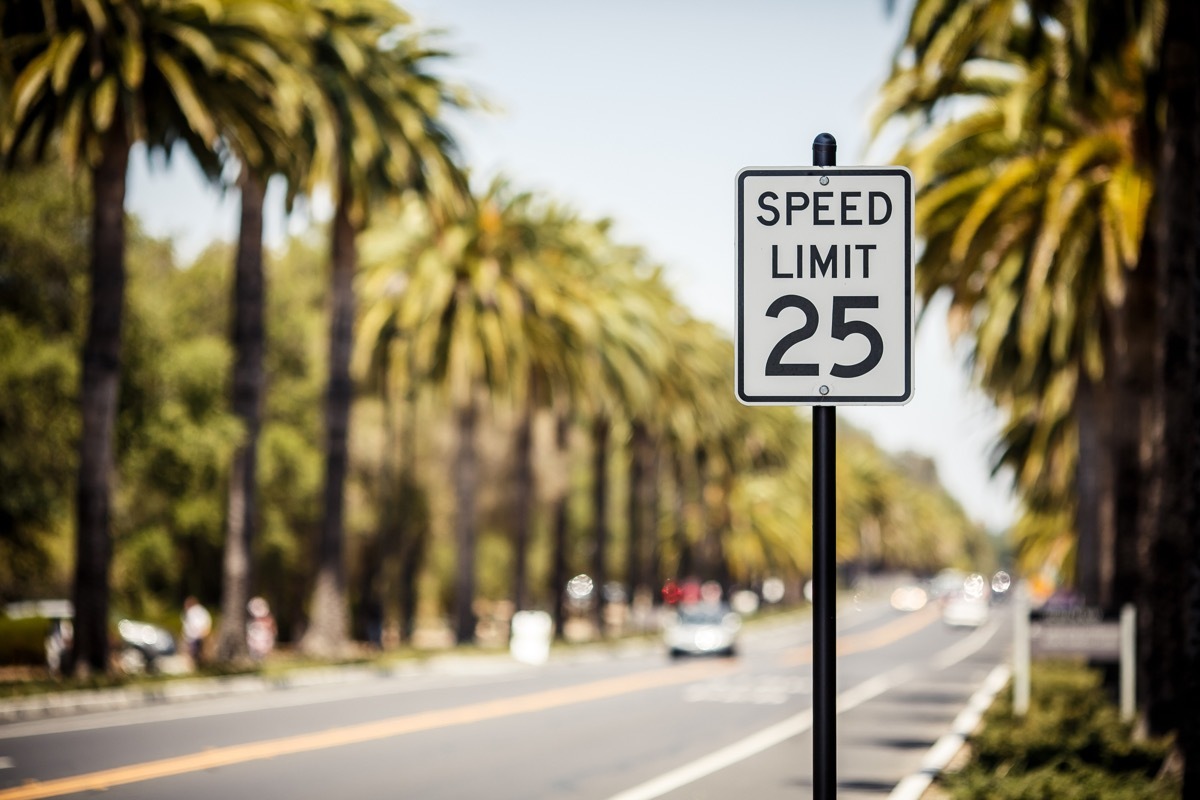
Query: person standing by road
x,y
260,631
197,623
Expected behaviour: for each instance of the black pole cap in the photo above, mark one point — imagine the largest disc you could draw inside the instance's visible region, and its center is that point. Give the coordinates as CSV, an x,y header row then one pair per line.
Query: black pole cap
x,y
824,150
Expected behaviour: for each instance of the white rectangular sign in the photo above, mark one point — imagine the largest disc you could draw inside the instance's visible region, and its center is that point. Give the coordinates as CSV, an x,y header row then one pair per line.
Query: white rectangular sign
x,y
824,286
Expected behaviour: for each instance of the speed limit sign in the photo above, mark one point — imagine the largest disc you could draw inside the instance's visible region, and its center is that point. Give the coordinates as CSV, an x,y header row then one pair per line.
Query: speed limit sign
x,y
824,286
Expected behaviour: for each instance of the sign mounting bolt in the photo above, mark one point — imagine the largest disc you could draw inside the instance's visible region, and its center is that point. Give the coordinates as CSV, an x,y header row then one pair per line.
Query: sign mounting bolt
x,y
824,180
824,390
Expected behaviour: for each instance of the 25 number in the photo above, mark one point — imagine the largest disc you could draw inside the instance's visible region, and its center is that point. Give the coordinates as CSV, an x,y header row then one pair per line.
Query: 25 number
x,y
842,328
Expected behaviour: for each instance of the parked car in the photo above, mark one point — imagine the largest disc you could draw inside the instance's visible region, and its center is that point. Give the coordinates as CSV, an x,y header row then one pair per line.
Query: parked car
x,y
142,645
138,646
702,629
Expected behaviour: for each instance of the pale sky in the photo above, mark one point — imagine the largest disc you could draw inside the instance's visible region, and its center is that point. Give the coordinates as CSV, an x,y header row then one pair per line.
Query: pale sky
x,y
644,111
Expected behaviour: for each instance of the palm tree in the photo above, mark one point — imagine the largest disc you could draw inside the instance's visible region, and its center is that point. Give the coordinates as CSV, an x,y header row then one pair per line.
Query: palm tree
x,y
465,312
558,345
94,78
260,117
646,425
38,104
248,387
1158,40
556,317
1032,208
387,133
1174,657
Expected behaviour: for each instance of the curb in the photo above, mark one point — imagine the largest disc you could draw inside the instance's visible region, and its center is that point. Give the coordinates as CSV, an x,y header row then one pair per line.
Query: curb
x,y
83,701
946,748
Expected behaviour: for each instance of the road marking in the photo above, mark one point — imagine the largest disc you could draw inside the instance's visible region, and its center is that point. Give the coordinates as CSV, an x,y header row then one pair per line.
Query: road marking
x,y
912,787
754,689
868,640
794,726
6,762
763,740
365,732
952,655
265,697
738,751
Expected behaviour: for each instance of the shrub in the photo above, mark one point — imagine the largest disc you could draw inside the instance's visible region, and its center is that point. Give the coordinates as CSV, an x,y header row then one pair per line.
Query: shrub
x,y
1071,745
23,641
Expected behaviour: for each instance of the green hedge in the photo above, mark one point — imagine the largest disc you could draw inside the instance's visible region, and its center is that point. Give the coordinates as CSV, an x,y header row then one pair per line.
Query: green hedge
x,y
1072,745
23,641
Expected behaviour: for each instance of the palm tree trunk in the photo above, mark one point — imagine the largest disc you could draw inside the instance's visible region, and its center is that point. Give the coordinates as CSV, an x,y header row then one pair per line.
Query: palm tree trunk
x,y
644,552
601,428
412,532
1172,654
370,606
558,557
1136,334
406,518
636,504
1094,519
248,382
653,500
412,559
685,564
722,528
706,561
99,396
327,632
524,490
466,489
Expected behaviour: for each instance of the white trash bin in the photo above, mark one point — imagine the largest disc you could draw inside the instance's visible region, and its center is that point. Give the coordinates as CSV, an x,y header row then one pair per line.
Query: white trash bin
x,y
530,640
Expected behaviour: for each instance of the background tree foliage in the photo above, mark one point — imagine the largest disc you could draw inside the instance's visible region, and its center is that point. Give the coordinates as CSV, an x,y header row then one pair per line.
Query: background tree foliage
x,y
176,436
527,401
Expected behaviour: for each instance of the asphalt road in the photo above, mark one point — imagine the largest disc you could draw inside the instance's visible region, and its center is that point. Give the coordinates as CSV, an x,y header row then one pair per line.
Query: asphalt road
x,y
630,725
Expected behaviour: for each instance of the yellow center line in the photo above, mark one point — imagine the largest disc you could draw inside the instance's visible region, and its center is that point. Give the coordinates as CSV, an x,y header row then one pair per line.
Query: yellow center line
x,y
868,640
365,732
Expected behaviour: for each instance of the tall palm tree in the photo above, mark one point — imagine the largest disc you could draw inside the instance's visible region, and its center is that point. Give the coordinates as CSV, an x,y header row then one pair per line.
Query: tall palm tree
x,y
259,116
556,317
387,134
1158,39
94,78
646,425
463,312
1032,208
624,353
1174,656
566,321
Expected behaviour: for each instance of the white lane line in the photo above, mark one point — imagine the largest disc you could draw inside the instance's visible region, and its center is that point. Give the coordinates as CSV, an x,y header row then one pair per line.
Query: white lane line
x,y
764,739
966,648
7,763
739,751
912,787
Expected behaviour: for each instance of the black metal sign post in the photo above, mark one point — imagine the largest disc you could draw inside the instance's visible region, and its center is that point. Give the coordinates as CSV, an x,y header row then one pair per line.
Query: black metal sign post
x,y
824,569
824,318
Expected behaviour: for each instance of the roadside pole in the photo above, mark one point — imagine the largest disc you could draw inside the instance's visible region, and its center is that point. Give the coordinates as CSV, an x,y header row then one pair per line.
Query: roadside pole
x,y
824,318
824,569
